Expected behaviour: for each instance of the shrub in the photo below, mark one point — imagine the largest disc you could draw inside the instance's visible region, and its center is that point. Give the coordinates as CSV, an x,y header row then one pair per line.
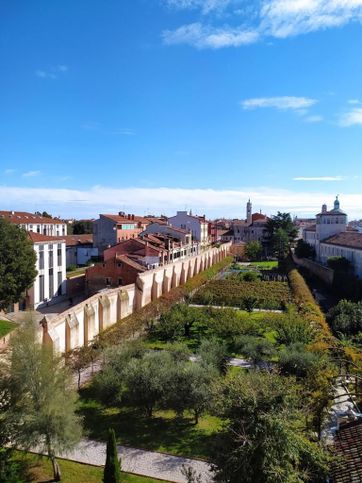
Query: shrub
x,y
340,264
346,317
257,349
296,360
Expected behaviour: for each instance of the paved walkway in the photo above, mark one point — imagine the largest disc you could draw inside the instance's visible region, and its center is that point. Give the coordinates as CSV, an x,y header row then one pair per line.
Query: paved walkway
x,y
146,463
276,311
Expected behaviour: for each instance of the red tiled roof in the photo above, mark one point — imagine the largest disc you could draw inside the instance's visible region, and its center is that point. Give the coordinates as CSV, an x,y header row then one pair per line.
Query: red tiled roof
x,y
39,238
258,217
22,217
125,219
74,240
348,449
348,239
131,263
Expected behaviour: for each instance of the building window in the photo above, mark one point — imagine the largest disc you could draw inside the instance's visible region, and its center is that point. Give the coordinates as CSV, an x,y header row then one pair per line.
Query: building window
x,y
38,229
60,281
41,257
51,256
108,281
120,281
51,283
59,254
41,288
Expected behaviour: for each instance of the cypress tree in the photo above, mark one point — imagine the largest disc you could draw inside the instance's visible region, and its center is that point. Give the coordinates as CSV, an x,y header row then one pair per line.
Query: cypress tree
x,y
112,469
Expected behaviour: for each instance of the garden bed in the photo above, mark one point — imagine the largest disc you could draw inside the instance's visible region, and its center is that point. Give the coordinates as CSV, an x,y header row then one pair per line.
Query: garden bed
x,y
234,293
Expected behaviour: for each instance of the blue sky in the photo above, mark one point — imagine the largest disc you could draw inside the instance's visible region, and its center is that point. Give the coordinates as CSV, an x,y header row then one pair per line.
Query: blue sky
x,y
154,105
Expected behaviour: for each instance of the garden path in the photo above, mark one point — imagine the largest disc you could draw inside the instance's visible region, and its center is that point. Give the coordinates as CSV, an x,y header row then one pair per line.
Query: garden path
x,y
146,463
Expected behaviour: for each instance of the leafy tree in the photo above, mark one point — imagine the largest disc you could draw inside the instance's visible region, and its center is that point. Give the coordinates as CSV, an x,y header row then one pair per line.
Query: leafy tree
x,y
44,214
304,250
17,263
41,410
9,469
146,380
340,264
292,328
264,439
198,396
346,317
214,352
191,475
253,250
82,227
281,234
112,469
257,349
177,322
297,361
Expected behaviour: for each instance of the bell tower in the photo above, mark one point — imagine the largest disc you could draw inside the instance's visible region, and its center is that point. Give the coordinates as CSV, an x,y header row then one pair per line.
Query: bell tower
x,y
249,218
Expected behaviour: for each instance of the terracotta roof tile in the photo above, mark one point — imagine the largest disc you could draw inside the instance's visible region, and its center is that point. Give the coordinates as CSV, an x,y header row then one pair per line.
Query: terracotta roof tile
x,y
348,450
348,239
22,217
39,238
74,240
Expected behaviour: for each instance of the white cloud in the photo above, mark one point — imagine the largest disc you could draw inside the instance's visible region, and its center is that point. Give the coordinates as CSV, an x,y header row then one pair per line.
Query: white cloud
x,y
52,72
31,174
203,36
265,18
9,171
282,103
314,119
206,6
354,101
286,18
319,178
212,202
124,132
351,118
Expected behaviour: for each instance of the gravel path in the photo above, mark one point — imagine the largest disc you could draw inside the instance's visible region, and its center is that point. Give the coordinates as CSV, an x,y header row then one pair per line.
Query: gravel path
x,y
146,463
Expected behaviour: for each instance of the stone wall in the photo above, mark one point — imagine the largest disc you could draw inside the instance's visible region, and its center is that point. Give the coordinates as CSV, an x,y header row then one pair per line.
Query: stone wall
x,y
320,271
78,325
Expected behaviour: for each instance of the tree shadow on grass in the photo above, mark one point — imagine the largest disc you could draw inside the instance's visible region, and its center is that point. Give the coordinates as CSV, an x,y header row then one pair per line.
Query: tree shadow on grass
x,y
163,432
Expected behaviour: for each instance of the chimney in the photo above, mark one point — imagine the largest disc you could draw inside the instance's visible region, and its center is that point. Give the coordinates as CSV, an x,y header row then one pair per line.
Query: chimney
x,y
129,216
121,213
324,208
132,217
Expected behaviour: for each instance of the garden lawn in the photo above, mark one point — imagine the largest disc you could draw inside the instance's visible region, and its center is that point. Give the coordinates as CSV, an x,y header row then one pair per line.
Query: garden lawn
x,y
164,432
234,293
38,470
268,265
6,327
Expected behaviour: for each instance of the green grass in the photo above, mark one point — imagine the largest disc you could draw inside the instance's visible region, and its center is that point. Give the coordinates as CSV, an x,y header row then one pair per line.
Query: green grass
x,y
268,265
37,469
164,432
6,327
75,273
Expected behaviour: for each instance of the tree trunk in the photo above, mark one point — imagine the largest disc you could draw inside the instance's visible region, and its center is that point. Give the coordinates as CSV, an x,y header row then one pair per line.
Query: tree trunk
x,y
56,470
79,372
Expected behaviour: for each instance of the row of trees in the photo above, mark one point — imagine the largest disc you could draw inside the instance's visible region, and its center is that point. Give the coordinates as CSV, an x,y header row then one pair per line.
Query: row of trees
x,y
152,380
264,437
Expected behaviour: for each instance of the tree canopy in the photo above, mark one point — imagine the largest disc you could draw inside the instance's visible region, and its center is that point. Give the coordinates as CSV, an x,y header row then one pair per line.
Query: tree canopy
x,y
264,441
281,234
41,400
17,263
253,250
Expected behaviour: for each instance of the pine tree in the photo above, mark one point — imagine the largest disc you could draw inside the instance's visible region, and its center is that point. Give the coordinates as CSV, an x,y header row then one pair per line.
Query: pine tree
x,y
112,469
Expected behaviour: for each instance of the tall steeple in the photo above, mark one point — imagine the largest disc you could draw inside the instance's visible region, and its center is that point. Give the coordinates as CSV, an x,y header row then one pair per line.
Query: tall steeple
x,y
249,217
336,203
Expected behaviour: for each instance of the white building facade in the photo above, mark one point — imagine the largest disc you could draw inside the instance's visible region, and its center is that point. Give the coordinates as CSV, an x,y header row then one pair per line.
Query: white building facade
x,y
36,223
196,225
50,283
331,237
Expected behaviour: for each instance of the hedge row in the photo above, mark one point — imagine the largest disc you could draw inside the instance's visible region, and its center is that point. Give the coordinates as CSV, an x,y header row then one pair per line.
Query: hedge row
x,y
306,303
